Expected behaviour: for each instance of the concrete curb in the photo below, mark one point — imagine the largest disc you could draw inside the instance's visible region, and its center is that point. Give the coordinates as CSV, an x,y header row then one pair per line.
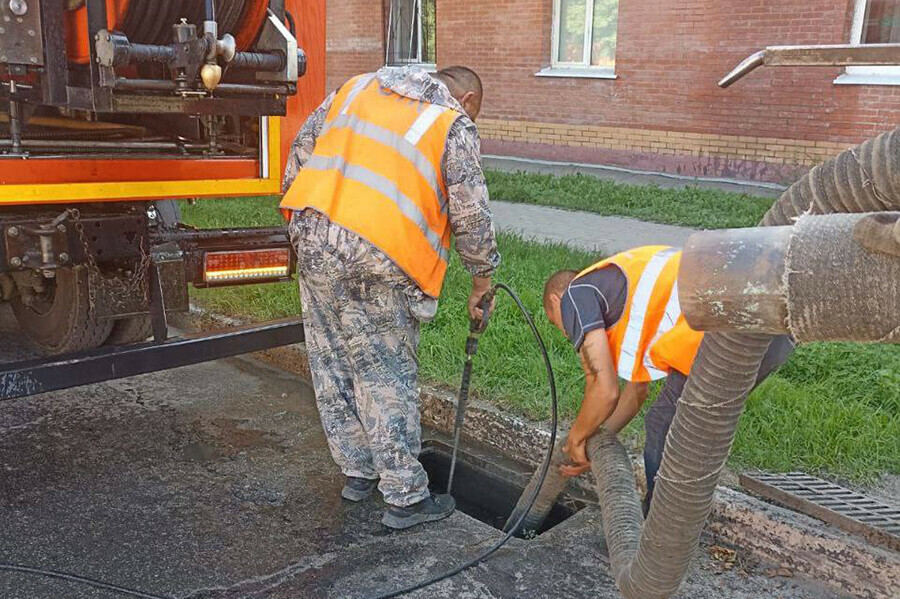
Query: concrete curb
x,y
791,540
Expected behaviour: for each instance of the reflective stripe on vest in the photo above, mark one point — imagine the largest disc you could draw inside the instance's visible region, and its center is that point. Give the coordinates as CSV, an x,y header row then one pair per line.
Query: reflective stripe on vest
x,y
359,84
384,186
652,317
402,145
376,170
631,353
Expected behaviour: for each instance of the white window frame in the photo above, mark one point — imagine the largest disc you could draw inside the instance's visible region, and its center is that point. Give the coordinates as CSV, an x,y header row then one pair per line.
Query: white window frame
x,y
874,75
417,61
584,68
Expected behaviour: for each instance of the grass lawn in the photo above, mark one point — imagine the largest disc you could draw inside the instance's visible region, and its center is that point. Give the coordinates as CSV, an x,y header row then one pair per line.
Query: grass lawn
x,y
690,207
834,409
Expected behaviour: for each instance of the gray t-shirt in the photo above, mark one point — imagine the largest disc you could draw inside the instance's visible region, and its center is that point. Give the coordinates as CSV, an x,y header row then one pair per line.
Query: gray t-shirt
x,y
594,301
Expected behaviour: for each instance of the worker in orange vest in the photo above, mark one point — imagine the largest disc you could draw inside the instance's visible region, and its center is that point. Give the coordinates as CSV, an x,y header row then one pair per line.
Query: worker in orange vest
x,y
623,317
378,179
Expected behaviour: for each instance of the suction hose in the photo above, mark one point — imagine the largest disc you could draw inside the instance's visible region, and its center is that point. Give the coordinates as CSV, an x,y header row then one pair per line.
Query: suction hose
x,y
825,277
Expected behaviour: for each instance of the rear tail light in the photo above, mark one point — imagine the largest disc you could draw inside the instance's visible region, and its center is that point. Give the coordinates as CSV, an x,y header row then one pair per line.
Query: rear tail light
x,y
246,266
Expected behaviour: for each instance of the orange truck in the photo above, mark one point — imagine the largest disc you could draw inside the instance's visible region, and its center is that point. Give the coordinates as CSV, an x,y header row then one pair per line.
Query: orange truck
x,y
110,111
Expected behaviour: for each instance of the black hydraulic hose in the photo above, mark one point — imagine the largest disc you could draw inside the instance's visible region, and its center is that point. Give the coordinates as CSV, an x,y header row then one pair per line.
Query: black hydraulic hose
x,y
259,61
292,25
83,580
545,465
475,330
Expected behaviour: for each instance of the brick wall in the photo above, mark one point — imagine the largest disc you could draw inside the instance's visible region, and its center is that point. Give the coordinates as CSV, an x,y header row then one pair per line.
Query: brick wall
x,y
355,39
664,110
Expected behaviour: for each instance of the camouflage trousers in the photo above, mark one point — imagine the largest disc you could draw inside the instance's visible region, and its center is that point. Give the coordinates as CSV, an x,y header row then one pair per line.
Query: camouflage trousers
x,y
361,337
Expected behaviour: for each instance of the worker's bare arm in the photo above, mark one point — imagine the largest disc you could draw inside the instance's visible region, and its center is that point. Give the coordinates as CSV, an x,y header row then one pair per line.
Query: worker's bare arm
x,y
601,395
630,402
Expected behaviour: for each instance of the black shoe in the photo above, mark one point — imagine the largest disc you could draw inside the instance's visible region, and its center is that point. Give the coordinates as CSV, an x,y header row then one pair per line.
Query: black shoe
x,y
357,489
434,507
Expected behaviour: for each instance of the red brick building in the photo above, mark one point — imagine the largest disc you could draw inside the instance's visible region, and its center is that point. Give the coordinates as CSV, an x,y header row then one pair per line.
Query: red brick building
x,y
633,82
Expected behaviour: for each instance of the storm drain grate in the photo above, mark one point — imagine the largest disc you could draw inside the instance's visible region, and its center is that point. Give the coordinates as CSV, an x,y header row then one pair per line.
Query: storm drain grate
x,y
874,520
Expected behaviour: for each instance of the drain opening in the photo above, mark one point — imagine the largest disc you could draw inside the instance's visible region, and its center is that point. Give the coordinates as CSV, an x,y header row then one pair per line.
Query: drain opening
x,y
486,495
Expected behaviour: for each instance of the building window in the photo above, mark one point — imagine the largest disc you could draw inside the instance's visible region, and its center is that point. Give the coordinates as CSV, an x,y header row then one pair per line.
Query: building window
x,y
874,22
584,38
411,33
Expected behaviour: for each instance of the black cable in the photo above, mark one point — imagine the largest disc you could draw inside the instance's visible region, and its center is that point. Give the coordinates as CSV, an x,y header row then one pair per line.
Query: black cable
x,y
292,25
545,465
97,584
476,328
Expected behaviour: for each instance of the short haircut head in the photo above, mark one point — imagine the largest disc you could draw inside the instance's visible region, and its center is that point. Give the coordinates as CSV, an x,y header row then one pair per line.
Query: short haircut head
x,y
557,284
460,81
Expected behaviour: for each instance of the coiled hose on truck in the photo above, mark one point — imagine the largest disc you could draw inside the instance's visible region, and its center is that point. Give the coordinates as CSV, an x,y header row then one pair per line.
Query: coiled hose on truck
x,y
651,561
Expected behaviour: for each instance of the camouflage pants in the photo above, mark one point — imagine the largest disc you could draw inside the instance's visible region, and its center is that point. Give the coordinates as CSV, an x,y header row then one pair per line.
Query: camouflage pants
x,y
361,337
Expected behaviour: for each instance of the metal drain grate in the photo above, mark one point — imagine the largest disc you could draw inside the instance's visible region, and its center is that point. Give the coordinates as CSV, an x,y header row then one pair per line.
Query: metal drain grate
x,y
874,520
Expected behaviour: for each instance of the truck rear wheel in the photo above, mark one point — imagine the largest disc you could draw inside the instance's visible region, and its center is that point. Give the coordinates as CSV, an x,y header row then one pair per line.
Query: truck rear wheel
x,y
133,329
60,319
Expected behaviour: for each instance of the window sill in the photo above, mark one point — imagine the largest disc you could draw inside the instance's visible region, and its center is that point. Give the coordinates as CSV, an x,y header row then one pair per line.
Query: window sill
x,y
425,66
867,79
577,73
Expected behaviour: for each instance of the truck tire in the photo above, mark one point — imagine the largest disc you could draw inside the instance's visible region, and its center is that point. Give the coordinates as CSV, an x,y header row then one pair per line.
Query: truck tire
x,y
132,329
62,320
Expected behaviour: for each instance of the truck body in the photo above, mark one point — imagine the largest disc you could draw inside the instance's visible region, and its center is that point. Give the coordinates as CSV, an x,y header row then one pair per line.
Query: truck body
x,y
110,111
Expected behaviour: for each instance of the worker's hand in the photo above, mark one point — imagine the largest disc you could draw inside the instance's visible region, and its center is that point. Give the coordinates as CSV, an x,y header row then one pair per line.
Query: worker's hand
x,y
576,449
480,286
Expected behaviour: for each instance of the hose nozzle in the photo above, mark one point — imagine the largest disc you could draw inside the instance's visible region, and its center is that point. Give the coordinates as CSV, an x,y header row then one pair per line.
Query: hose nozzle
x,y
476,326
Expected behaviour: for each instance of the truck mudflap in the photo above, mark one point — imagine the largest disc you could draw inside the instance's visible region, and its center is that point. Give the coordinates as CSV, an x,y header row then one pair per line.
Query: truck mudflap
x,y
31,377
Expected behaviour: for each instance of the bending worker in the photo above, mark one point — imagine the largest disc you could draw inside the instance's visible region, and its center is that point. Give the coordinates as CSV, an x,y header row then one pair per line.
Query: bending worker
x,y
378,178
623,317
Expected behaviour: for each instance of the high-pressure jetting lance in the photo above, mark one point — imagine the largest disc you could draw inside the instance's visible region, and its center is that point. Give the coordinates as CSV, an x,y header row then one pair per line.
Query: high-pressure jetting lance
x,y
476,328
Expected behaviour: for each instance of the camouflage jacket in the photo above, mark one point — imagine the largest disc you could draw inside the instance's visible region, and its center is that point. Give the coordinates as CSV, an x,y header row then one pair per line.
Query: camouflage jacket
x,y
470,215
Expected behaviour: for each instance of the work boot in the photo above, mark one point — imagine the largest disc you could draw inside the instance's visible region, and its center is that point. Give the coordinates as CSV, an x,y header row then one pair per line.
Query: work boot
x,y
357,489
430,509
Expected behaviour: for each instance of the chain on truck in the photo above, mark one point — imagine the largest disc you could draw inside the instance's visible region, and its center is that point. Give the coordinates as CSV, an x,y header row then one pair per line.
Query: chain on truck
x,y
110,112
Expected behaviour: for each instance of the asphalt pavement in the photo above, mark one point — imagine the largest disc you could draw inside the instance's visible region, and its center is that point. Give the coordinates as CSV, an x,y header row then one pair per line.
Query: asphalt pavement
x,y
214,481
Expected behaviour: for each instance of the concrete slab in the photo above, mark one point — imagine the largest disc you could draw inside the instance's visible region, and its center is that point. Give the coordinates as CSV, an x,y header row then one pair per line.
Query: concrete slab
x,y
630,176
214,481
604,235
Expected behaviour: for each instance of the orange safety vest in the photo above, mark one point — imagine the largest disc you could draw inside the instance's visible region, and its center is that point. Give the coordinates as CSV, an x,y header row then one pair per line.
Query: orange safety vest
x,y
652,337
376,170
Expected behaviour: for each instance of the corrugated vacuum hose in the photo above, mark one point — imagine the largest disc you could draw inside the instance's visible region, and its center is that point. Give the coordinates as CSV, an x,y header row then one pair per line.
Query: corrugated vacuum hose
x,y
826,271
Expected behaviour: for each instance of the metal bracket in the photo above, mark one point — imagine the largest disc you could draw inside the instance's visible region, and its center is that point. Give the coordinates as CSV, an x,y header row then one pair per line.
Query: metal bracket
x,y
275,37
22,379
56,69
21,41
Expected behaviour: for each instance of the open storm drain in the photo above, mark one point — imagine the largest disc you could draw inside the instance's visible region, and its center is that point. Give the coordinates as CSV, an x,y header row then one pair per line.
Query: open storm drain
x,y
486,490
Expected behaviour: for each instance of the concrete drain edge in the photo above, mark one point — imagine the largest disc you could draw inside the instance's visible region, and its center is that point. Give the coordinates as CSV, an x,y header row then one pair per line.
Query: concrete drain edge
x,y
786,538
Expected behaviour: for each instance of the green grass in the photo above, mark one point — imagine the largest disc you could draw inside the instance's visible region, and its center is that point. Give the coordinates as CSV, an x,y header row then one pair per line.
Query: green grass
x,y
834,409
690,207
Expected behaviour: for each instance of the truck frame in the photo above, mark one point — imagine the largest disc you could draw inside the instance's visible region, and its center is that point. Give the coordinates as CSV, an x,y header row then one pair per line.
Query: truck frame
x,y
110,112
